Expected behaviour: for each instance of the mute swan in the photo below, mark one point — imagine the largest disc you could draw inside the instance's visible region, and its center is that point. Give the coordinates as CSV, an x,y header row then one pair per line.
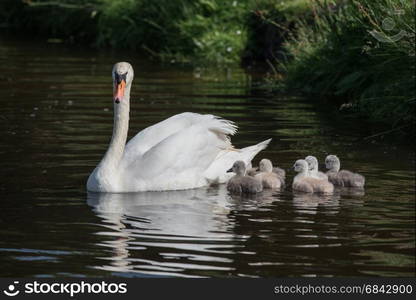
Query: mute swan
x,y
242,184
342,177
313,168
304,183
268,178
185,151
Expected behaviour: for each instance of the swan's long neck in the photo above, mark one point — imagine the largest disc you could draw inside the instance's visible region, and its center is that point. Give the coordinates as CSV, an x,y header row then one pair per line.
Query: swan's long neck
x,y
115,150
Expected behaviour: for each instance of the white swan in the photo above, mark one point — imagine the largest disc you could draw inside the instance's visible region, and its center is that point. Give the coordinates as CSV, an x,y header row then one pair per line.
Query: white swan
x,y
185,151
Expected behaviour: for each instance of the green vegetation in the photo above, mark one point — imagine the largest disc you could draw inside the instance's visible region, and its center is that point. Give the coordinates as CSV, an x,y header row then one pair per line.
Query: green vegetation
x,y
357,53
184,30
210,30
269,24
361,52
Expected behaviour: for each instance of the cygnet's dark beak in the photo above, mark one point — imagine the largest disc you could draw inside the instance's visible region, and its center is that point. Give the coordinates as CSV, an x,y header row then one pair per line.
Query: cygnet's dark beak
x,y
230,170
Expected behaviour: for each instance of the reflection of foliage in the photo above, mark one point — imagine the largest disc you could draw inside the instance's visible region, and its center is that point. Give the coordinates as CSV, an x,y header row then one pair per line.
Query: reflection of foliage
x,y
69,20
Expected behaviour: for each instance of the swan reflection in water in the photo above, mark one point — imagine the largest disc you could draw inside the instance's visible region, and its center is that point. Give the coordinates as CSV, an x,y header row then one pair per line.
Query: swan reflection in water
x,y
190,232
165,233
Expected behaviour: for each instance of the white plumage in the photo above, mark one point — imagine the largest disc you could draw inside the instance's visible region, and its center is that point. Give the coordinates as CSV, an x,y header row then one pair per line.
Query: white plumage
x,y
185,151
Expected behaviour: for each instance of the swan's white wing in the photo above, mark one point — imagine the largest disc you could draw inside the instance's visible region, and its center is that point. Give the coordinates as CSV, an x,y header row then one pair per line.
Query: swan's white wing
x,y
152,135
180,160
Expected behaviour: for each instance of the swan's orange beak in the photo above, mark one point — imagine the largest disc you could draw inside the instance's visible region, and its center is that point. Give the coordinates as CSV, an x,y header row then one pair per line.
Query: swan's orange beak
x,y
119,90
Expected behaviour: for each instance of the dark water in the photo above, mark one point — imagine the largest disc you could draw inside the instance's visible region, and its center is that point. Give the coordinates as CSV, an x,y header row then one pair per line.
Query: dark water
x,y
55,124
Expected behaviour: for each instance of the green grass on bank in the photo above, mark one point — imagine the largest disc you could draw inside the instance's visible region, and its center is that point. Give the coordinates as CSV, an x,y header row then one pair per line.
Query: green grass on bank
x,y
361,52
195,31
211,31
348,51
269,24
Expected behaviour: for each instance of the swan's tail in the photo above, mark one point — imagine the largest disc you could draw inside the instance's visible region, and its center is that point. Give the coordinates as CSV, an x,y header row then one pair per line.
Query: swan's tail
x,y
248,153
217,171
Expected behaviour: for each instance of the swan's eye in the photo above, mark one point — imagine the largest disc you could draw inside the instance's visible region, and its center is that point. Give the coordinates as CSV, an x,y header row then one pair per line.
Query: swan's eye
x,y
120,77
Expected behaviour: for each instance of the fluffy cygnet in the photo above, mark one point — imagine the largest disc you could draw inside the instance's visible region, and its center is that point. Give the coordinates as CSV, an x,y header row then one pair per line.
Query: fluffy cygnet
x,y
250,171
303,182
342,177
241,184
313,168
269,179
278,171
